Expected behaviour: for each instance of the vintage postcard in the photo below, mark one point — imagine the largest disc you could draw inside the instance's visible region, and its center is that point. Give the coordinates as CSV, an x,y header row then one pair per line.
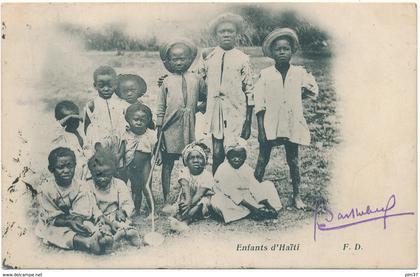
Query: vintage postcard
x,y
209,135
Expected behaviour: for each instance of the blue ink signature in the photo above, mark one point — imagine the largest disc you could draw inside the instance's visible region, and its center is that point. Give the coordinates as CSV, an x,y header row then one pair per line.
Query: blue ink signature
x,y
361,215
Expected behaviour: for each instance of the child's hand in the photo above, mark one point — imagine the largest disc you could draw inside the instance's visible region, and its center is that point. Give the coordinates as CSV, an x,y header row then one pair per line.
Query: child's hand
x,y
184,207
79,228
161,78
246,130
202,107
120,215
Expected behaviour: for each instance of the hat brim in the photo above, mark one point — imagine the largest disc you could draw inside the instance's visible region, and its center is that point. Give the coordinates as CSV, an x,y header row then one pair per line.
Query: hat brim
x,y
164,51
235,19
276,34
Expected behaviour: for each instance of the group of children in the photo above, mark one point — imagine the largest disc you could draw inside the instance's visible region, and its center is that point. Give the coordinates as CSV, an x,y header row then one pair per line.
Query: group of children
x,y
101,163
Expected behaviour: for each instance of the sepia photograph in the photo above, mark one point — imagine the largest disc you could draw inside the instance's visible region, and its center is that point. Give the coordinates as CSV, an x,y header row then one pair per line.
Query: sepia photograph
x,y
209,135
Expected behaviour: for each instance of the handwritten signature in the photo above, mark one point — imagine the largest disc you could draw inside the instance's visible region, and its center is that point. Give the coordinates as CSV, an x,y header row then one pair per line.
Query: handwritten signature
x,y
361,215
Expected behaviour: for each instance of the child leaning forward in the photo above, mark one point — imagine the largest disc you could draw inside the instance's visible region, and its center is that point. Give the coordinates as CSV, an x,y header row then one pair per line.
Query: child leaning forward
x,y
278,105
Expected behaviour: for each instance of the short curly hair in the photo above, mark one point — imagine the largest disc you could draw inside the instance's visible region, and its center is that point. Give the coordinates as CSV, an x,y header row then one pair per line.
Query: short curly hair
x,y
58,153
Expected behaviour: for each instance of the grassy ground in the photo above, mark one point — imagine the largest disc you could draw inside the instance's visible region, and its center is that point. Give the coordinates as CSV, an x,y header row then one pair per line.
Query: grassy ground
x,y
74,82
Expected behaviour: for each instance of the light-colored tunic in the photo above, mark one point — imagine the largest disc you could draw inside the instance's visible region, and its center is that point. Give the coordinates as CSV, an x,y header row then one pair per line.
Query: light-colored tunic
x,y
232,186
54,201
176,108
116,196
283,103
69,140
227,91
107,118
204,180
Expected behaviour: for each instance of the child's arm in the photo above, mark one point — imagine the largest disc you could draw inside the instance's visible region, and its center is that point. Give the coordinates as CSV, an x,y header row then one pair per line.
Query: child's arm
x,y
161,108
202,96
201,191
260,107
121,152
186,205
248,89
90,107
126,205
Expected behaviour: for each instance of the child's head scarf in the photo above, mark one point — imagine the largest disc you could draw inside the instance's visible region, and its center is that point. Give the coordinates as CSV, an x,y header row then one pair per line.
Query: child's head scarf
x,y
195,146
235,143
164,51
235,19
277,33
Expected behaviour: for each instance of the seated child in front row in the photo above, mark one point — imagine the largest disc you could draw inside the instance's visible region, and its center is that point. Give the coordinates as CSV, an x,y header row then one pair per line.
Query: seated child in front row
x,y
237,192
133,149
112,197
196,186
66,208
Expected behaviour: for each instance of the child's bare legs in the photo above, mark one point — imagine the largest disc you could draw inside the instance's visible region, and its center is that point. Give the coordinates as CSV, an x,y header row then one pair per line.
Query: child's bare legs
x,y
218,153
263,159
168,161
292,157
139,173
94,244
131,235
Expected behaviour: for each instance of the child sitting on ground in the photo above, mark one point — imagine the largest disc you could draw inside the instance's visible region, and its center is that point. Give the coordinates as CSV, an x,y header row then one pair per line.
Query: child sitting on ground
x,y
66,209
71,135
104,115
177,104
278,105
196,187
237,192
112,197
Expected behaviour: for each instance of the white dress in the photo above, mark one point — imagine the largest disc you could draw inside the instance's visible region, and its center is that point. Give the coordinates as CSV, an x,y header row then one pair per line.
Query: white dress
x,y
283,103
232,186
227,92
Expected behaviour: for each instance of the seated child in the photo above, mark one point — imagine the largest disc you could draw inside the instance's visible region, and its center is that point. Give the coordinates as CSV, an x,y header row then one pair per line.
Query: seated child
x,y
131,88
134,148
237,192
112,197
279,108
177,105
104,114
196,186
66,207
71,135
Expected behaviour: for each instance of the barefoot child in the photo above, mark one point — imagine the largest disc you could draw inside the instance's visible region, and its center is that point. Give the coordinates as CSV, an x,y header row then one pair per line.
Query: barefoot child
x,y
71,135
66,207
177,105
237,192
279,109
196,185
228,74
112,197
104,115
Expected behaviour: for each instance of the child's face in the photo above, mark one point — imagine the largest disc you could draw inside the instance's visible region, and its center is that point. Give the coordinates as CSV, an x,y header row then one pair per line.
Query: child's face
x,y
130,91
64,170
196,163
102,176
226,35
179,59
138,122
105,85
71,124
282,51
236,157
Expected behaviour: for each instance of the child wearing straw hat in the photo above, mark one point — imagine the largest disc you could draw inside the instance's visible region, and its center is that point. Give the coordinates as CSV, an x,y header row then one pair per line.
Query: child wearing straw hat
x,y
278,105
228,74
177,105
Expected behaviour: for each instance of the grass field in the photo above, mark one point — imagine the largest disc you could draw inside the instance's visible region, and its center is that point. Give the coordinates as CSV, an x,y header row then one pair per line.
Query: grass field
x,y
71,78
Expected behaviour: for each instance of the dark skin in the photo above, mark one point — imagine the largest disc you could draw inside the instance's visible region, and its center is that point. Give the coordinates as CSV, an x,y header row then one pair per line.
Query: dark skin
x,y
70,120
139,168
189,209
236,158
282,53
63,171
130,91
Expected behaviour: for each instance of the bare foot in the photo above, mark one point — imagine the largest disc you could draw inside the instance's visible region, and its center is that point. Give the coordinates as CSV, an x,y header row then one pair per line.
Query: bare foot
x,y
133,237
298,203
